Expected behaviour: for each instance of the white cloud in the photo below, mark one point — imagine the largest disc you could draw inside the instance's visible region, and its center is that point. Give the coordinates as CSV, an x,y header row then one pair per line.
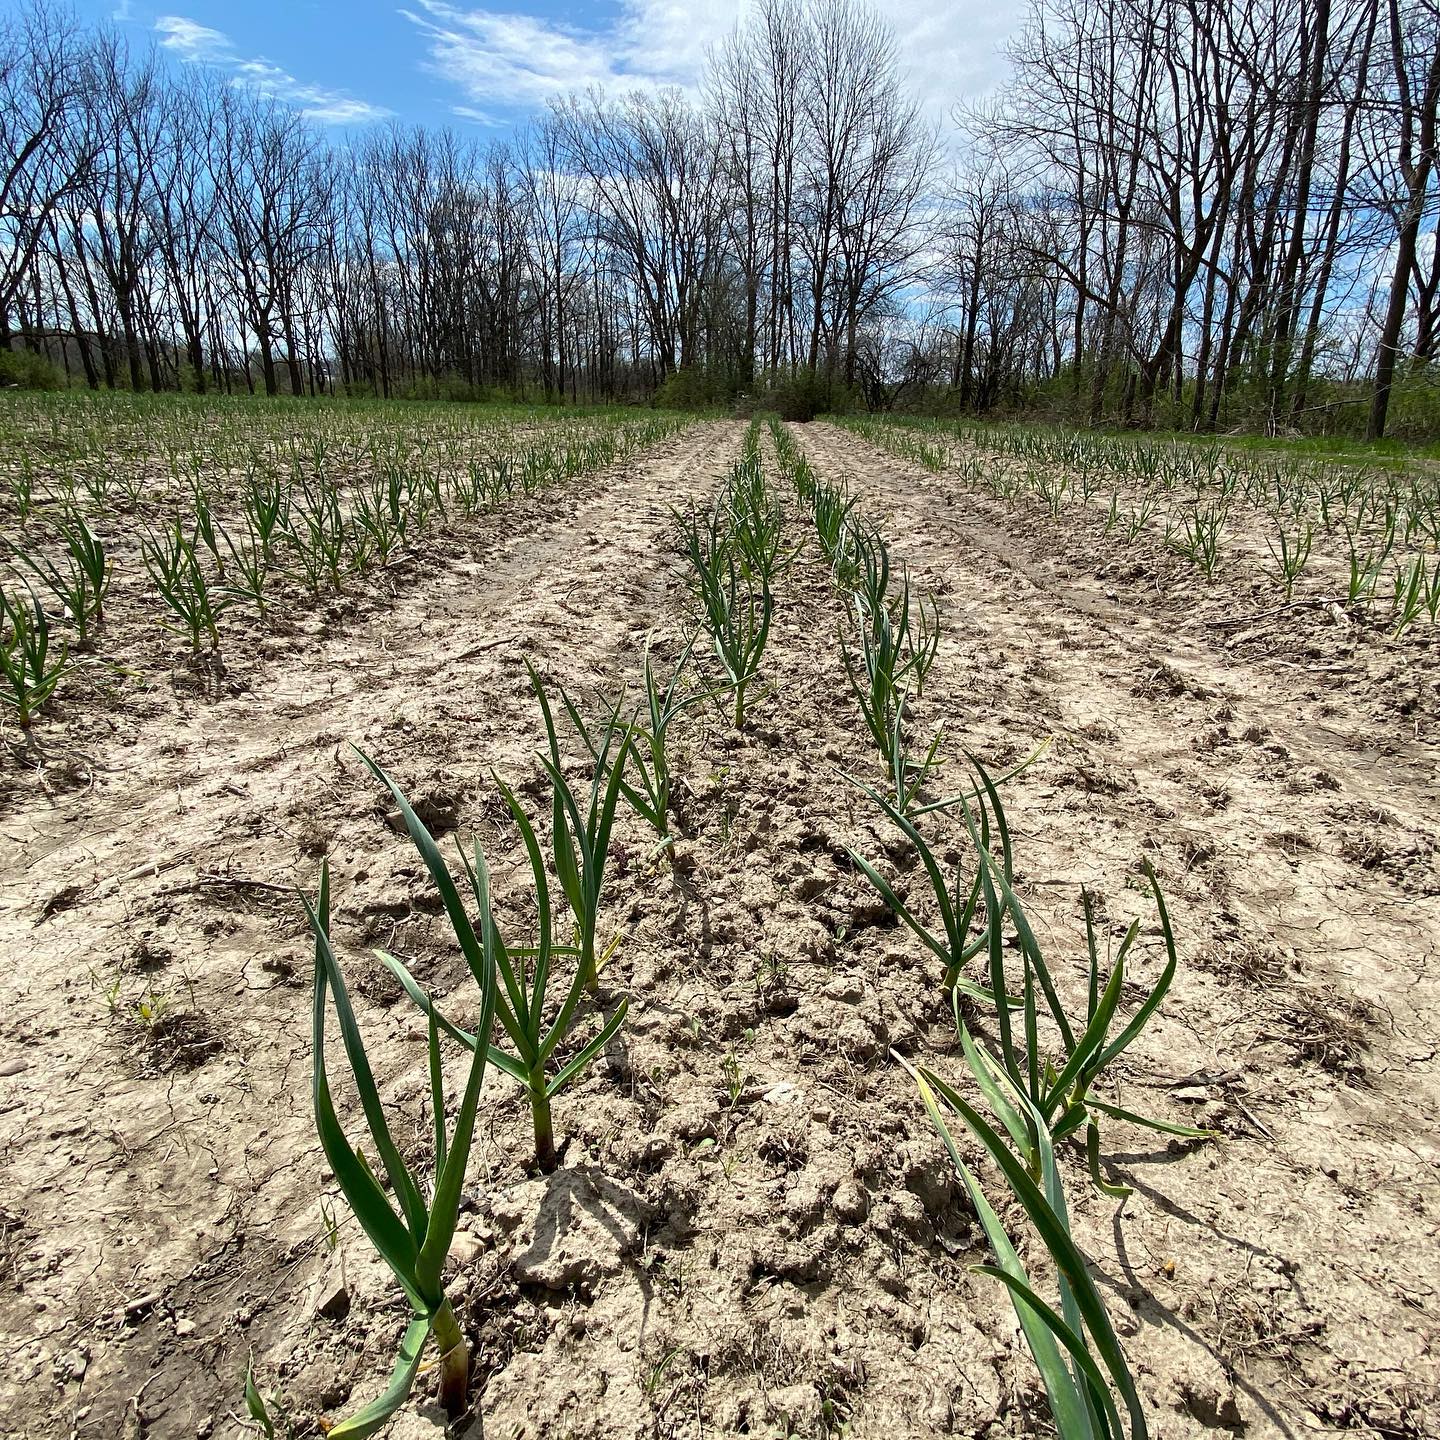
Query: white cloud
x,y
510,60
953,52
194,42
478,117
198,44
678,32
518,61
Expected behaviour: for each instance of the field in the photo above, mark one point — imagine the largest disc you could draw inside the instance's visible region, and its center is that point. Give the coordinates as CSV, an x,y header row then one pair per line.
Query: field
x,y
1219,665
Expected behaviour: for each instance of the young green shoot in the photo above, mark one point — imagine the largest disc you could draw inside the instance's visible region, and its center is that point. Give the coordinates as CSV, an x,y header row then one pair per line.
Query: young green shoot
x,y
1075,1348
649,795
1060,1086
581,825
735,605
82,586
412,1236
956,902
29,671
531,1019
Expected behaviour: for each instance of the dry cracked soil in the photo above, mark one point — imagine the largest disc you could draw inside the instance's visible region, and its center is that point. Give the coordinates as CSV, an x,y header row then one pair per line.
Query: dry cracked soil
x,y
753,1228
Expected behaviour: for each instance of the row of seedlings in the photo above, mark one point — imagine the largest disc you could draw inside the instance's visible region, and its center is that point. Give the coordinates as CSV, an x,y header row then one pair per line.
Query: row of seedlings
x,y
1390,524
536,999
1038,1077
306,528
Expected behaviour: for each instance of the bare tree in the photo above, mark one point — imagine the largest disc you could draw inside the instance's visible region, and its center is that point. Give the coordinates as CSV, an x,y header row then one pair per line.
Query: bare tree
x,y
1406,157
45,150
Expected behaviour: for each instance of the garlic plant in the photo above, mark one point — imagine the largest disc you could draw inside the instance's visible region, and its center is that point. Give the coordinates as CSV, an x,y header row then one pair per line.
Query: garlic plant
x,y
411,1232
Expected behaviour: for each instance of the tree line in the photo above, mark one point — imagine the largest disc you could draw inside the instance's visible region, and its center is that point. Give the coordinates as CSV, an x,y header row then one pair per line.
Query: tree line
x,y
1173,211
1173,201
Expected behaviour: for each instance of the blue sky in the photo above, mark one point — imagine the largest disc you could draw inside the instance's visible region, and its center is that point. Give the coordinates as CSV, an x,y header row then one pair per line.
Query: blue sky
x,y
488,69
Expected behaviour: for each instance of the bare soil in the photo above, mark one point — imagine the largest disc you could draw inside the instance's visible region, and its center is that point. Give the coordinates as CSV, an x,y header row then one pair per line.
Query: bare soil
x,y
753,1229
